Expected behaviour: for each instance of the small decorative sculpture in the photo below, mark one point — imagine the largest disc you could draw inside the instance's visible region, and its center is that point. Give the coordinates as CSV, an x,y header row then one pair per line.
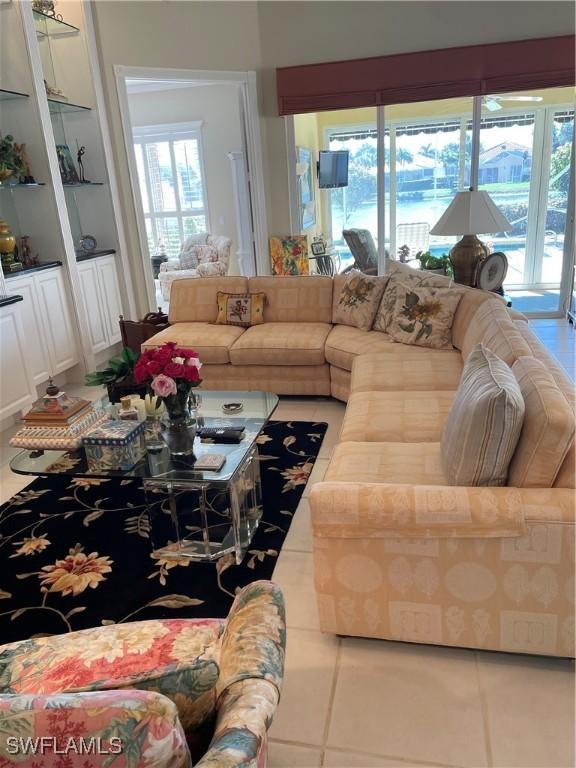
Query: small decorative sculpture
x,y
25,175
25,252
54,93
47,8
79,156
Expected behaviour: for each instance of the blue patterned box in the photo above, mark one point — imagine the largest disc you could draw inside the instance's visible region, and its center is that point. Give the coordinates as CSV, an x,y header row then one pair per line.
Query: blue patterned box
x,y
114,445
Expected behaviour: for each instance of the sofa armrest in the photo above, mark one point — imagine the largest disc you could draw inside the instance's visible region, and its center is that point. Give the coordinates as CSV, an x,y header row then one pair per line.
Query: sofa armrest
x,y
211,268
90,728
385,510
245,712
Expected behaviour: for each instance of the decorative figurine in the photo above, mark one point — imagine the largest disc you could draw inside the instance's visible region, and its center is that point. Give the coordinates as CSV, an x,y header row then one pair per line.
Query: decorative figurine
x,y
54,93
25,175
7,248
79,156
66,164
25,253
47,8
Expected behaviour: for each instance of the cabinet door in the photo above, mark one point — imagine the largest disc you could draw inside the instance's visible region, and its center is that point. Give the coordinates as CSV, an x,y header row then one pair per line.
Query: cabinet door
x,y
110,292
95,309
33,324
15,381
55,310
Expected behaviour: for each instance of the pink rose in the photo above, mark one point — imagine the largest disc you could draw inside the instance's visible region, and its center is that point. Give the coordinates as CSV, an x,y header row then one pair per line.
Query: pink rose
x,y
194,361
163,385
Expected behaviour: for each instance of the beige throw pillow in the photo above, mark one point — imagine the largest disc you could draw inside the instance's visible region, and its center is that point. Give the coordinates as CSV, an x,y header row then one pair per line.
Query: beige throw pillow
x,y
423,316
484,423
400,274
358,300
548,430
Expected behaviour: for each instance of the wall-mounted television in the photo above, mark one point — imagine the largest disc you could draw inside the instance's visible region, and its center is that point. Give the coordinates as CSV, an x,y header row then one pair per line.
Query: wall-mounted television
x,y
333,169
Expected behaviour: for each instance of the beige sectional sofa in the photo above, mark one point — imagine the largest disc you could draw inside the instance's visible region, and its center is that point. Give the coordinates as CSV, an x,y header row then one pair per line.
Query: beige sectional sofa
x,y
399,553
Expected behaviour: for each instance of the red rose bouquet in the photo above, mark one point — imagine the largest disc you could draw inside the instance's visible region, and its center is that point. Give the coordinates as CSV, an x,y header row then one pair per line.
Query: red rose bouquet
x,y
171,372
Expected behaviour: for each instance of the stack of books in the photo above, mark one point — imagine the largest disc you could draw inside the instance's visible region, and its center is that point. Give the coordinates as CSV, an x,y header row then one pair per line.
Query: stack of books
x,y
57,422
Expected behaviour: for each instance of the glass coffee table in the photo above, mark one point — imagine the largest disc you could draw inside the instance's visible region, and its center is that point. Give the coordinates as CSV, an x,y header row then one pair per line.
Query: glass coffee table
x,y
196,514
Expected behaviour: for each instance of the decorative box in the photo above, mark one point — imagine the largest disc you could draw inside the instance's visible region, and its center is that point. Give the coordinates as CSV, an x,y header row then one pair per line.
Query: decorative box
x,y
114,445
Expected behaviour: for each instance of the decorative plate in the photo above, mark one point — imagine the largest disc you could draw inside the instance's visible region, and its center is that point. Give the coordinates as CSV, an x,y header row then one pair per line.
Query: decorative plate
x,y
492,271
88,243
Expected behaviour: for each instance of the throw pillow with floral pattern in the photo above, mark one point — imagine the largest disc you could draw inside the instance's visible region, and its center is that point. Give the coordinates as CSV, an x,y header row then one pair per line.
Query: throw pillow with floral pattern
x,y
423,316
401,274
359,300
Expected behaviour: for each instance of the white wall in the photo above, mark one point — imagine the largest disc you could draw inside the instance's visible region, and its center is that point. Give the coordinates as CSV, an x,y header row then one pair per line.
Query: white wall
x,y
264,35
217,106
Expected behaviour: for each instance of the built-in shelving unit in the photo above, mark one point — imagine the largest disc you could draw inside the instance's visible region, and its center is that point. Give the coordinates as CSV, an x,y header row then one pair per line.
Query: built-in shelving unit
x,y
50,101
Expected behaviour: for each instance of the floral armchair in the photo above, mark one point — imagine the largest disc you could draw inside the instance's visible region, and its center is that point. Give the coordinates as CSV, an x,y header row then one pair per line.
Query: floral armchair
x,y
201,256
159,693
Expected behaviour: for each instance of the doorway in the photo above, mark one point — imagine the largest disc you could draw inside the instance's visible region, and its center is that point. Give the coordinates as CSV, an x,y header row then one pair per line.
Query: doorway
x,y
193,146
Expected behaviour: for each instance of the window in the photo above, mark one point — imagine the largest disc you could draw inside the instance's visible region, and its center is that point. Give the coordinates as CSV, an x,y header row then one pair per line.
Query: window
x,y
172,185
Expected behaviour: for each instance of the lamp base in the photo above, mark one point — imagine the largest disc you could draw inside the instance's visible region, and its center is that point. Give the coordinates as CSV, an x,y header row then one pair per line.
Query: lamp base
x,y
465,257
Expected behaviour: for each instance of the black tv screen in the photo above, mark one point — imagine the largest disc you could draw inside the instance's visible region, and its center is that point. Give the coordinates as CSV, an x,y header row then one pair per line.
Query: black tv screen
x,y
333,169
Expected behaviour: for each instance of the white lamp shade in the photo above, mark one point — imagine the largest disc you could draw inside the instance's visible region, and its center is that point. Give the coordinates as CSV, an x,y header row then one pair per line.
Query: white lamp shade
x,y
471,213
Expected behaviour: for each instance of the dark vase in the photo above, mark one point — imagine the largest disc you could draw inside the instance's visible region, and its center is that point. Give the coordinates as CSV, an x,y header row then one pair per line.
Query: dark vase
x,y
178,426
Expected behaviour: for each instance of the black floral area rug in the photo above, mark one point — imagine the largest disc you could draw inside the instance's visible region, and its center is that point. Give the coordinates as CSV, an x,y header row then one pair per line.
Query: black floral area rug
x,y
77,553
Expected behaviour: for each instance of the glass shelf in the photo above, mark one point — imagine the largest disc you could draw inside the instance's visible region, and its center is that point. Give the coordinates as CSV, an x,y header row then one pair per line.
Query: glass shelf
x,y
11,95
49,26
23,186
58,107
84,184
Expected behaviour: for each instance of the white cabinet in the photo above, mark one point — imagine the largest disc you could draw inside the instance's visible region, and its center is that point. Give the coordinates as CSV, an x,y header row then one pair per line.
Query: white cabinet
x,y
16,388
32,322
95,311
48,323
101,296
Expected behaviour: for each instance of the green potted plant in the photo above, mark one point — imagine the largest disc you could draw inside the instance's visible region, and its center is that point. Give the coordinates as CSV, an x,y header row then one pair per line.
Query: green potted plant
x,y
118,376
439,264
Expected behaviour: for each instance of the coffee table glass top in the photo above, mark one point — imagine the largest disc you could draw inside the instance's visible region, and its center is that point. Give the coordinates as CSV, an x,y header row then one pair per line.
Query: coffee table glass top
x,y
157,464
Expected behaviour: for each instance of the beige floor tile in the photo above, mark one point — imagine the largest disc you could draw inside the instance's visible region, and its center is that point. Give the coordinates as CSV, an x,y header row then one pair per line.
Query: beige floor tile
x,y
308,681
7,452
345,759
331,437
295,575
299,538
6,434
10,487
292,756
530,710
317,475
415,702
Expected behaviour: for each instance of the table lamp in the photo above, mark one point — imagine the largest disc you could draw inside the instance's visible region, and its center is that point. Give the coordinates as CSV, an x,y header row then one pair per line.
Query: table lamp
x,y
469,214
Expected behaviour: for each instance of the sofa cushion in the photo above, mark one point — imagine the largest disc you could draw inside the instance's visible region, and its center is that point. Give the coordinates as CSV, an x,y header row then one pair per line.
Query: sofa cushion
x,y
175,657
281,344
387,417
364,462
400,274
193,300
548,429
344,343
358,300
299,299
403,369
492,327
212,342
423,315
484,423
244,309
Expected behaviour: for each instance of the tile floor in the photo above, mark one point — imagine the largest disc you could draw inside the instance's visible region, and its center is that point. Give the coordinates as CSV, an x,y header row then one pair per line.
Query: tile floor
x,y
357,703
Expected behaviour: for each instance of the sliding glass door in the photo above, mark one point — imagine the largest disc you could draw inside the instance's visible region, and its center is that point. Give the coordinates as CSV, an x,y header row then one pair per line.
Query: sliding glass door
x,y
525,145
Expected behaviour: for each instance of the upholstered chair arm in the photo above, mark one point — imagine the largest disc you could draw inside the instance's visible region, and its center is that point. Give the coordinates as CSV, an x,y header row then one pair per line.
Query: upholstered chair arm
x,y
386,510
170,266
245,712
211,268
140,727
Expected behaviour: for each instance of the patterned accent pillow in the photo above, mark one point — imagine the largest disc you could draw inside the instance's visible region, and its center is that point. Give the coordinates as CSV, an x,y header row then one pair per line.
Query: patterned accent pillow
x,y
243,309
358,300
197,254
484,424
423,316
401,274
